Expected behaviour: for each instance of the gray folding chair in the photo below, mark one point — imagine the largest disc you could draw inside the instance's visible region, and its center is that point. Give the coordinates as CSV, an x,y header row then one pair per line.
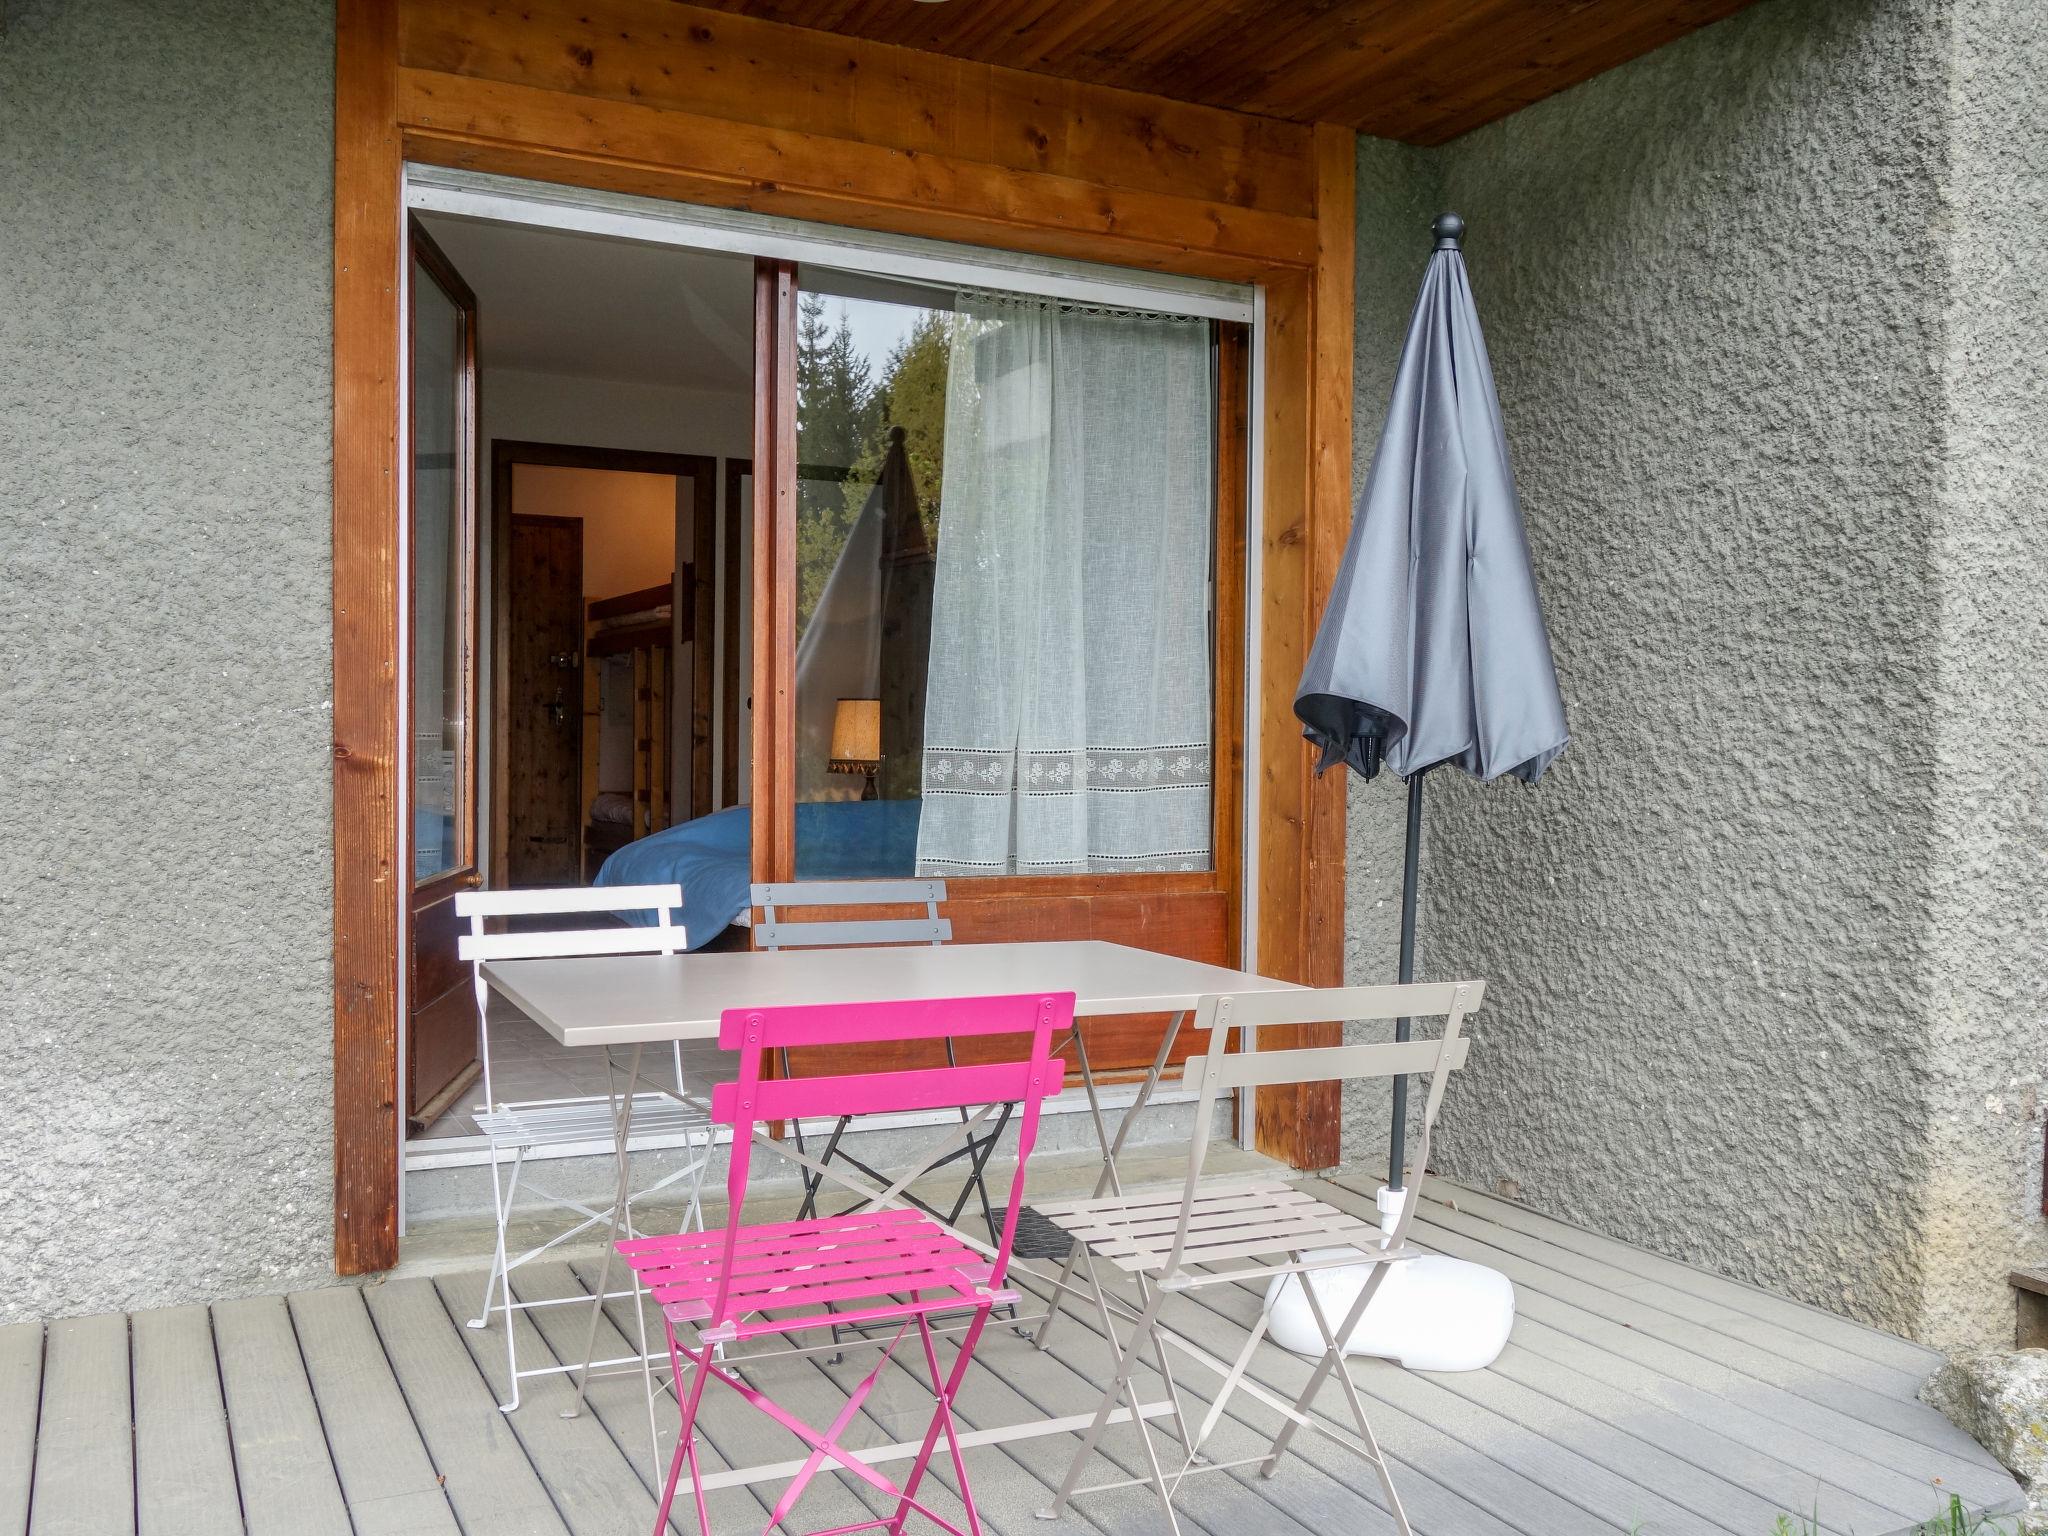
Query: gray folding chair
x,y
1244,1231
773,932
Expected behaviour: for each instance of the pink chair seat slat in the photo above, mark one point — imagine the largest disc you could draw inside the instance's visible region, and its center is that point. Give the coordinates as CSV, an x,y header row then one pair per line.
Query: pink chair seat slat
x,y
659,1270
796,1269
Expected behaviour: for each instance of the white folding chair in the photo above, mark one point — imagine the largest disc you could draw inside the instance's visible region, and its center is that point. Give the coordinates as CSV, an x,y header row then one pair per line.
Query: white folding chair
x,y
616,1121
1244,1231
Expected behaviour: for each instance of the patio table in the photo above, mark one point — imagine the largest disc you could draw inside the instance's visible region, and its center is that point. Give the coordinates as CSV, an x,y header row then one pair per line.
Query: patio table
x,y
633,1001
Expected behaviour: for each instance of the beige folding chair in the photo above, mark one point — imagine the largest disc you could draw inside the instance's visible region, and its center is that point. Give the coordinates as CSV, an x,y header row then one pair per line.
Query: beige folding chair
x,y
1231,1231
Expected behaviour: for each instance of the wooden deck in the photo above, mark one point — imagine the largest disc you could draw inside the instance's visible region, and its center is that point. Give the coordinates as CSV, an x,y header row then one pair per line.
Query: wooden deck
x,y
1638,1396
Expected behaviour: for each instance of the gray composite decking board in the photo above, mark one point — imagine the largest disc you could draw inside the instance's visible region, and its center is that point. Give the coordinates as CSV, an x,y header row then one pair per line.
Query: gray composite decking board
x,y
1319,1480
1898,1458
85,1463
619,1402
1916,1360
1728,1483
590,1480
21,1391
281,1461
1905,1432
1852,1370
746,1437
184,1461
1734,1371
1496,1488
1513,1495
1603,1493
387,1478
1860,1491
491,1485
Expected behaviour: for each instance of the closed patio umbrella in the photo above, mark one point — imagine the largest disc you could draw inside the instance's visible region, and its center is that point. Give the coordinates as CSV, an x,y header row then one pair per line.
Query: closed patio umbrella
x,y
1432,651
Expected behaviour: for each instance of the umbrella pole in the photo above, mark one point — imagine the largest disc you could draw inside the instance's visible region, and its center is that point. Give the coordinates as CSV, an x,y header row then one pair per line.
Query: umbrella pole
x,y
1397,1153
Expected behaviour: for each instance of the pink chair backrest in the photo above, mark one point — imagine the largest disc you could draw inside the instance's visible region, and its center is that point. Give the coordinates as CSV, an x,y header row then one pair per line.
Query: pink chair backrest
x,y
757,1033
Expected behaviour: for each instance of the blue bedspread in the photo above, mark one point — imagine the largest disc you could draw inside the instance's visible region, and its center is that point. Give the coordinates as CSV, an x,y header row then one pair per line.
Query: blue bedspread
x,y
710,857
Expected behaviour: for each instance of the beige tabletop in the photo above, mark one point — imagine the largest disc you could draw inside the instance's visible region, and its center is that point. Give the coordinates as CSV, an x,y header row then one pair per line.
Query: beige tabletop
x,y
639,999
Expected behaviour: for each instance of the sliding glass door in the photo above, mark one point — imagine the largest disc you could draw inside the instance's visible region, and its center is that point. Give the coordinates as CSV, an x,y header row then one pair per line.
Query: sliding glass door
x,y
1007,534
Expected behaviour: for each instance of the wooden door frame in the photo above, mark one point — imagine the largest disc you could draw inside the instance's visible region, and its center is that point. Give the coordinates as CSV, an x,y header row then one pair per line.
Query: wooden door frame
x,y
1104,190
731,515
701,469
501,682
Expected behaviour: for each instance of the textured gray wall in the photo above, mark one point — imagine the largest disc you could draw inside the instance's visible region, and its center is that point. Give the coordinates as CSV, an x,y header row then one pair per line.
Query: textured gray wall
x,y
165,316
1760,983
1988,1033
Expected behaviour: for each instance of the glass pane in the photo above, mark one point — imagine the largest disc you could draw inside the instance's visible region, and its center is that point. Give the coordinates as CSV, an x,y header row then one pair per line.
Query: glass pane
x,y
871,402
1005,559
440,588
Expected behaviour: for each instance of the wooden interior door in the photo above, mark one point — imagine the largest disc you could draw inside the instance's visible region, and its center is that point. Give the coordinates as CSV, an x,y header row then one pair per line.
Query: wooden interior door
x,y
544,694
439,833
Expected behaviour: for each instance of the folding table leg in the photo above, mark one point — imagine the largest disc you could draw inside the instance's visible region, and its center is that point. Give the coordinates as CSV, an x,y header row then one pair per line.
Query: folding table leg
x,y
1106,1182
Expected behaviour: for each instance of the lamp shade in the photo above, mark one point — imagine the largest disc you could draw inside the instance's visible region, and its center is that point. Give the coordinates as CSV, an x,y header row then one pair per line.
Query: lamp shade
x,y
857,734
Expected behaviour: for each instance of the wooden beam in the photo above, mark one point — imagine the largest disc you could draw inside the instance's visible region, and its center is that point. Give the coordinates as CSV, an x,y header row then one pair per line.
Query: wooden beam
x,y
774,606
368,248
488,125
1330,526
1308,517
742,70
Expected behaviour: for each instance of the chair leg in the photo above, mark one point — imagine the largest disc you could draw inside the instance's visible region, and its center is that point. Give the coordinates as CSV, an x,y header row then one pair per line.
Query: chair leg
x,y
944,1392
1151,1336
1334,1362
1127,1360
501,1206
686,1439
1238,1367
622,1131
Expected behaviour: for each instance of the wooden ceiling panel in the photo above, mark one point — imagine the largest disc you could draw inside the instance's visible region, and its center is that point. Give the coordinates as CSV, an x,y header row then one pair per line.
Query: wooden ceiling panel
x,y
1420,70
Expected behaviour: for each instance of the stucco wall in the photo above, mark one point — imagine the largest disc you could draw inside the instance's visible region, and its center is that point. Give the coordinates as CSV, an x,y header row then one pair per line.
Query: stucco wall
x,y
1741,942
1988,1033
165,252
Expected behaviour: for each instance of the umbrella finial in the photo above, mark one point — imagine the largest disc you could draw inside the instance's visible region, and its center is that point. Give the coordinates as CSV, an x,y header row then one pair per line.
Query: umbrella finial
x,y
1449,230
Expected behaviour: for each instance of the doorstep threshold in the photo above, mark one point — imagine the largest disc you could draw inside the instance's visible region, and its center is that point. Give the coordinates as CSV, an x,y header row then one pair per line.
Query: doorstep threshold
x,y
424,1153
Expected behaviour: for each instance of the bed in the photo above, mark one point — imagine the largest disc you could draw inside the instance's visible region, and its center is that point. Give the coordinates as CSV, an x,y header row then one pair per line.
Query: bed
x,y
711,858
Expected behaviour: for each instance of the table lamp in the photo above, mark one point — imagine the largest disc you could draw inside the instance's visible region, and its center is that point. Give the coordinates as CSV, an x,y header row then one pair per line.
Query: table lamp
x,y
857,740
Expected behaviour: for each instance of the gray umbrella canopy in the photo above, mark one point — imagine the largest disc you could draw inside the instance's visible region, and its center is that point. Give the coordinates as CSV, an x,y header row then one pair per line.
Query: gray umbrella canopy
x,y
1432,649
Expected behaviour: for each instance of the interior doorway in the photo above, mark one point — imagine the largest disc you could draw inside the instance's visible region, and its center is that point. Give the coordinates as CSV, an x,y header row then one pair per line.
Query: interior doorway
x,y
605,723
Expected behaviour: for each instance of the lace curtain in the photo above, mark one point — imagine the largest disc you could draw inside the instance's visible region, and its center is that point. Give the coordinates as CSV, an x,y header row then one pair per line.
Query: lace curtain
x,y
1068,704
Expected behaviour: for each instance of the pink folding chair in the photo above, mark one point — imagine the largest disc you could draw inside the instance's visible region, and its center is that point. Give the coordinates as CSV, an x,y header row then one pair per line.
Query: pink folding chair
x,y
888,1262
